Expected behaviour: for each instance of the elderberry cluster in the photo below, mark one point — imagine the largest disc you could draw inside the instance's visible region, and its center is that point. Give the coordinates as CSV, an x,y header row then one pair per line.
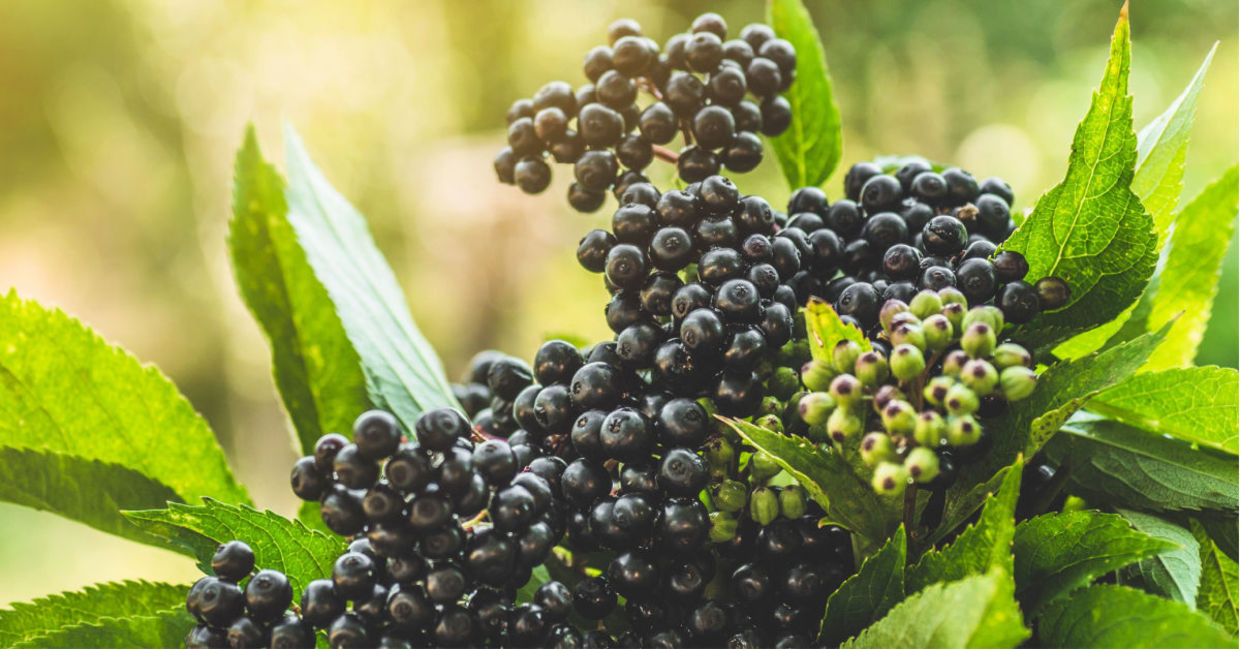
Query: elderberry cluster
x,y
701,86
257,615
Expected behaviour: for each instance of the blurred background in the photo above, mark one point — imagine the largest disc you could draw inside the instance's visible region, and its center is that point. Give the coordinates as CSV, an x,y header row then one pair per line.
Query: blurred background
x,y
119,120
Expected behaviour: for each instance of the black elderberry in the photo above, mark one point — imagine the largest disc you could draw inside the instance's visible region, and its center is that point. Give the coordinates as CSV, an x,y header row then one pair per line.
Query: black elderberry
x,y
429,511
902,261
658,291
445,583
532,175
438,429
626,435
245,632
738,393
961,185
600,125
880,193
1019,302
719,265
376,434
342,512
716,233
1010,266
596,385
584,481
703,52
776,115
291,632
976,279
321,604
980,249
354,575
751,583
885,229
408,470
1053,292
944,235
624,309
353,470
494,458
910,170
218,602
683,472
860,301
635,152
684,94
633,574
626,266
232,561
308,480
658,123
596,170
696,163
936,277
998,187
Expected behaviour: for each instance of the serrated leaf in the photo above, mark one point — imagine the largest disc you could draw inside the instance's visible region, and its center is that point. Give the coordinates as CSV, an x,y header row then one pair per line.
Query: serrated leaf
x,y
28,620
982,546
163,629
865,597
829,480
64,390
1195,404
1091,230
1218,596
811,147
1111,463
1058,553
961,506
316,369
975,612
279,543
403,374
1189,281
1174,574
825,330
1225,533
1108,616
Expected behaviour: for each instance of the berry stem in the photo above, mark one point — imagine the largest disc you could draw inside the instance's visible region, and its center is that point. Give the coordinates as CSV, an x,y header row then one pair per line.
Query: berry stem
x,y
665,154
646,84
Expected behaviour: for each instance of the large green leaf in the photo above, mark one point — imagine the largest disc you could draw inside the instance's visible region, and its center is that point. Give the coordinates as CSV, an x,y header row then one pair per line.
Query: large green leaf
x,y
403,374
1225,533
1091,229
1220,575
982,546
1111,463
27,620
1195,404
316,369
65,391
1189,281
811,147
962,504
865,597
1058,553
829,480
1102,617
825,329
973,613
1174,574
279,543
164,629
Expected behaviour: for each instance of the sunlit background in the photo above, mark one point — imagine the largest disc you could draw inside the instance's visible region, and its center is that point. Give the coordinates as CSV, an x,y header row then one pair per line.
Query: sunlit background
x,y
118,123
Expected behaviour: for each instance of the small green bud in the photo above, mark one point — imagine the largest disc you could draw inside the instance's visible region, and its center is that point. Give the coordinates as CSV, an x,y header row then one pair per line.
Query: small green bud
x,y
925,304
877,447
843,424
845,389
890,479
954,313
989,314
794,352
816,375
885,395
930,429
938,330
844,356
908,333
963,430
980,376
872,369
729,496
953,362
899,418
1012,355
722,527
783,383
904,318
936,389
907,362
1016,383
815,407
888,311
720,456
952,295
770,406
771,422
961,400
792,502
978,340
922,464
763,505
762,467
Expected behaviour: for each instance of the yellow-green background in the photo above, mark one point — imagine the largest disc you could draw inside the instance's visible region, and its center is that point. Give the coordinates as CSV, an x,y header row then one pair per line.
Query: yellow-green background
x,y
118,122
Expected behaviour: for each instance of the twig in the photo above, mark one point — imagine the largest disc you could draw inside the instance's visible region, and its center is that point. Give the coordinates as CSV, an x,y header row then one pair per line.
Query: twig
x,y
665,154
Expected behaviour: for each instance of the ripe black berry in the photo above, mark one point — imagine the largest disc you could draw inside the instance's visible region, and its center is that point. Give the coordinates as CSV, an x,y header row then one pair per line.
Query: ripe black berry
x,y
1019,302
626,266
776,115
232,561
944,235
532,175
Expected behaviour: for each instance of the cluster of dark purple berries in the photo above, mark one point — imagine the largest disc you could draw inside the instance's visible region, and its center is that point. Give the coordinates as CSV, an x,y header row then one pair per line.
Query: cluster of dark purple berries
x,y
701,85
256,615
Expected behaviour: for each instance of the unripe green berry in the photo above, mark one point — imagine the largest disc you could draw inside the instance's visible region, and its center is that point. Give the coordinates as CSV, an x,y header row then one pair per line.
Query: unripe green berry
x,y
762,467
980,376
771,423
890,479
888,311
877,447
844,355
792,502
954,362
922,464
952,295
1011,355
899,418
954,313
763,505
908,333
720,456
938,331
930,430
794,352
961,400
729,496
925,304
963,430
885,395
978,340
872,369
845,389
1017,383
907,362
722,527
817,375
987,313
843,424
936,389
815,407
770,406
783,383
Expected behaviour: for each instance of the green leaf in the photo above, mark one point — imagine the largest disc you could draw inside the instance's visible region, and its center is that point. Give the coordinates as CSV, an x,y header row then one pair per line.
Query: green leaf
x,y
316,369
811,147
865,597
538,577
64,390
1189,281
1091,230
279,543
164,629
975,612
29,620
1224,532
87,491
1111,463
403,374
982,546
1195,404
1101,617
826,330
829,480
1058,553
1218,595
961,505
1174,574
